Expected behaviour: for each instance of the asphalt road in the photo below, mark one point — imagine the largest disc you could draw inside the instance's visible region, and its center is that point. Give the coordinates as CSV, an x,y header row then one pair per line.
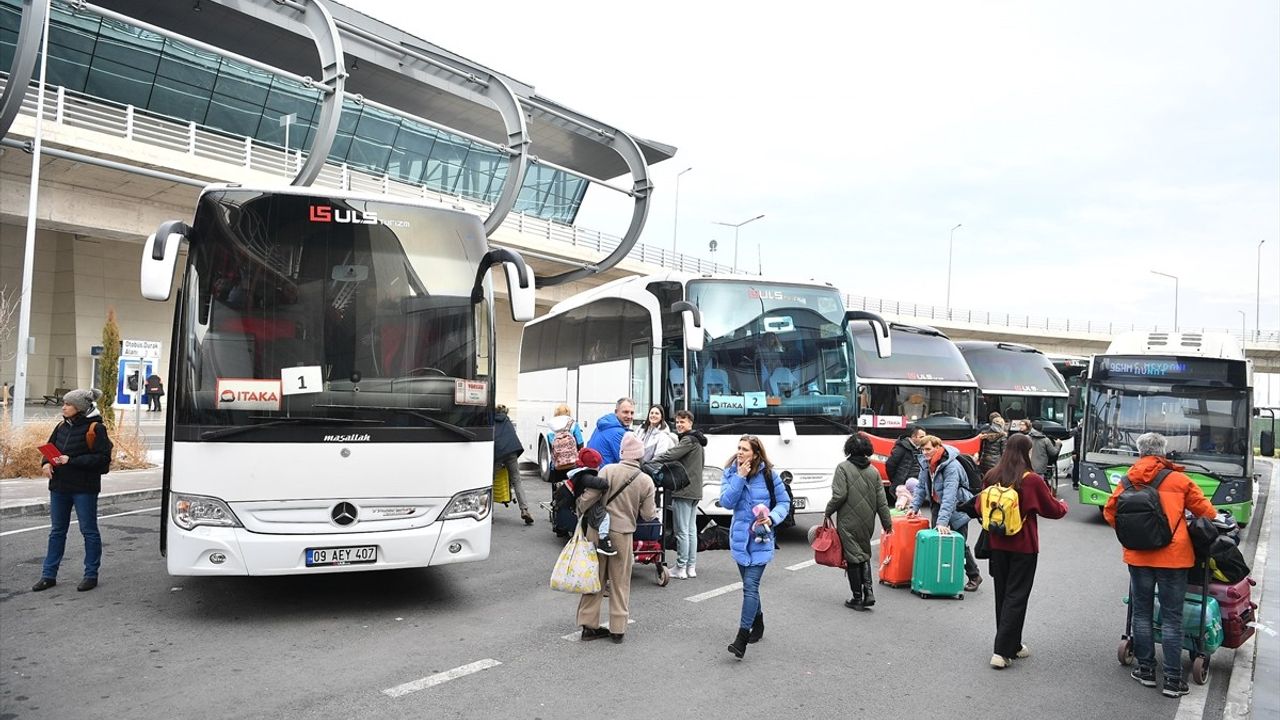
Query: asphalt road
x,y
146,645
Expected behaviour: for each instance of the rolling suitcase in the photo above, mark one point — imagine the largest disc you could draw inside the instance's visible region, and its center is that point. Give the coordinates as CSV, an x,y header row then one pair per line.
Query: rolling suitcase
x,y
1236,607
938,569
898,549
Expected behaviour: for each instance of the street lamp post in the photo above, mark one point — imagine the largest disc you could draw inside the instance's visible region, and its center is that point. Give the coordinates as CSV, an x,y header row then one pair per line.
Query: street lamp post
x,y
675,223
735,227
1257,310
285,122
950,244
1242,329
1175,296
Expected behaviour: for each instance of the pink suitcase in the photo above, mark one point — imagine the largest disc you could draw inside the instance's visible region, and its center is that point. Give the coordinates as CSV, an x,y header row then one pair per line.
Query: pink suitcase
x,y
1237,607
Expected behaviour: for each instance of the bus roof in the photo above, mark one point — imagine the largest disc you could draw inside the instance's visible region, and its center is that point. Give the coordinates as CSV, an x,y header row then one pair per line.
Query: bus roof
x,y
1003,368
611,287
340,195
1186,344
921,356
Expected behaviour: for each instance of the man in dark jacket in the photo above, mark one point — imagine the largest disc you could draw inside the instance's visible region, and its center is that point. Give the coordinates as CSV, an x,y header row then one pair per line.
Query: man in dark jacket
x,y
75,479
993,438
506,452
904,461
689,451
1044,454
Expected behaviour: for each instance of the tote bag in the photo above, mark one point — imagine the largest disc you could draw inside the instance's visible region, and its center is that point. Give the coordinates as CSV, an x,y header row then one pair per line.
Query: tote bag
x,y
827,549
577,569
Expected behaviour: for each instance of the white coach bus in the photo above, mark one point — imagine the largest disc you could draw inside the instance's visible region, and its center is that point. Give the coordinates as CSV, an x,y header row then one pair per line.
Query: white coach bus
x,y
331,382
745,355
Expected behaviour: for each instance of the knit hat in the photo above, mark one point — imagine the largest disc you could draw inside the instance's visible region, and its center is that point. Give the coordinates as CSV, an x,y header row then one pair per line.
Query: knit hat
x,y
632,448
588,458
81,400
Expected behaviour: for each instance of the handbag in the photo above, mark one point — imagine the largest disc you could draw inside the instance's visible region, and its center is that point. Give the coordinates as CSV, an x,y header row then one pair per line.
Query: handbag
x,y
713,537
982,546
577,570
827,548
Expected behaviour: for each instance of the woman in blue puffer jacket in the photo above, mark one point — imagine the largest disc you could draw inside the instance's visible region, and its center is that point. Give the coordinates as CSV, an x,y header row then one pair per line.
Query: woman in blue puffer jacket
x,y
744,486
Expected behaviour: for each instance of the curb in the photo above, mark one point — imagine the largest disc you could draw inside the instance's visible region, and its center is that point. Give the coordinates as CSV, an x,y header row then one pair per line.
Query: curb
x,y
1240,690
41,507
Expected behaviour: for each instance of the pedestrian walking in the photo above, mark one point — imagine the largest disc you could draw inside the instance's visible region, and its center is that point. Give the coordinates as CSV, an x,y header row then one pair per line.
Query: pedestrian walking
x,y
630,496
857,500
655,434
75,479
1163,567
155,391
944,488
749,481
993,440
606,439
506,453
1014,556
690,452
1044,453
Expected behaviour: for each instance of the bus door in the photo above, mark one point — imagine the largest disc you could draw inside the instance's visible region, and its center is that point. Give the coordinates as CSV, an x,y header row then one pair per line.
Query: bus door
x,y
641,376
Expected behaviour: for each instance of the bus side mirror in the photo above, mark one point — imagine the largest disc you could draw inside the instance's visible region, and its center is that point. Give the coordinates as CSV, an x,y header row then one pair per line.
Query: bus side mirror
x,y
159,257
1267,444
691,320
879,330
522,297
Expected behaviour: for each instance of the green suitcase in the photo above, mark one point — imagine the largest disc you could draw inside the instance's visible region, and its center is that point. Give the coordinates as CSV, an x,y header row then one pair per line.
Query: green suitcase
x,y
938,570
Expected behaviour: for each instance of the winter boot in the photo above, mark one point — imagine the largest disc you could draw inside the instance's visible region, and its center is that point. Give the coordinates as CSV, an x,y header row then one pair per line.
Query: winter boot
x,y
855,585
739,645
868,586
757,629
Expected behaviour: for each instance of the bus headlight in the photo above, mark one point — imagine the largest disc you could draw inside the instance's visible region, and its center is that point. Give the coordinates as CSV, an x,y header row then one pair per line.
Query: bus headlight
x,y
472,504
188,511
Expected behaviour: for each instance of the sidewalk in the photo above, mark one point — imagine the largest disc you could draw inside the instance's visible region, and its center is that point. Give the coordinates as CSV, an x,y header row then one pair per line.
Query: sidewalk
x,y
30,496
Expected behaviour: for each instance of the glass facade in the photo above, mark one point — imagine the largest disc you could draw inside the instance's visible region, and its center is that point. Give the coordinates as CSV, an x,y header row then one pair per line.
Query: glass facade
x,y
129,65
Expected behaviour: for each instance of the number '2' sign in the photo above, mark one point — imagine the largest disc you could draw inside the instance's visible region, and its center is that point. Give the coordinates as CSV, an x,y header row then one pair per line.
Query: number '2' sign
x,y
300,380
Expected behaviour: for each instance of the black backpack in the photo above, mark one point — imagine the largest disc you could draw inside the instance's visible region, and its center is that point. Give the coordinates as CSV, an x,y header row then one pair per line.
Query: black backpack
x,y
670,476
790,519
1140,520
971,472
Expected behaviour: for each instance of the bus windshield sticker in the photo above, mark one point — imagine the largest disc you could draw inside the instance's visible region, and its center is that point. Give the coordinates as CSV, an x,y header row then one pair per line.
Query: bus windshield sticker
x,y
756,400
470,392
728,405
301,380
882,421
248,394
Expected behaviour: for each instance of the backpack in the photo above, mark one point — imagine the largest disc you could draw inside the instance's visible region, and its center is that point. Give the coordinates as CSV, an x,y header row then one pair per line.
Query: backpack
x,y
1140,520
668,476
564,449
972,472
91,439
1000,512
790,519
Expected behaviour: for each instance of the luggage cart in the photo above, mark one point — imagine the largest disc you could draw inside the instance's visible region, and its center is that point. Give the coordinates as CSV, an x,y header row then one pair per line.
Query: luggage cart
x,y
649,544
1207,639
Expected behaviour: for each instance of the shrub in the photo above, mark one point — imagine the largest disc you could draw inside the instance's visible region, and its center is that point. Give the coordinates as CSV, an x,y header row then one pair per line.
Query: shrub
x,y
109,368
19,457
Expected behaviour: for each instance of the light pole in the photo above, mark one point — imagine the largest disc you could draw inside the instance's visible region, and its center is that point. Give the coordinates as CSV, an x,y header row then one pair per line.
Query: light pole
x,y
1242,330
285,122
735,227
950,243
675,223
1257,310
1175,296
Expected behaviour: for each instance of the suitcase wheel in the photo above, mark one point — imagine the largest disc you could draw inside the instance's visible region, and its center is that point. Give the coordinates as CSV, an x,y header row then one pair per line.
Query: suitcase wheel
x,y
664,577
1200,669
1124,653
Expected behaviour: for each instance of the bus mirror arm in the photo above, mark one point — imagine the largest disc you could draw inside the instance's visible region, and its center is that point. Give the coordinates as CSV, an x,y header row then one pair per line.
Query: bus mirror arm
x,y
159,257
880,330
520,282
691,317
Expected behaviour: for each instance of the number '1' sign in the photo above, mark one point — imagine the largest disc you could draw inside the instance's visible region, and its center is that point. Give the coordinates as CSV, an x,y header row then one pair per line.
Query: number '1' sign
x,y
300,380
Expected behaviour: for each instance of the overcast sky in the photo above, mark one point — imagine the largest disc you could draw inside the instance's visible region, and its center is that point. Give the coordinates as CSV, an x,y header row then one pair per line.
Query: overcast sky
x,y
1080,145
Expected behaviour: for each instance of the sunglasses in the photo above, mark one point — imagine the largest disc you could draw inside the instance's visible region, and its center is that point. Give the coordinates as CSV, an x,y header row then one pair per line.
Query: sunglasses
x,y
749,437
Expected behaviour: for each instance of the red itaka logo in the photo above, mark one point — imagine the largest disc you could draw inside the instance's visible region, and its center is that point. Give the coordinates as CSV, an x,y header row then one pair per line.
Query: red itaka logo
x,y
327,214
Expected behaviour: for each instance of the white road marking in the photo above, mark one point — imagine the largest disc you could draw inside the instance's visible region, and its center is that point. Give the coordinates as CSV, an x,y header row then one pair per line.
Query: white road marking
x,y
440,678
100,517
714,593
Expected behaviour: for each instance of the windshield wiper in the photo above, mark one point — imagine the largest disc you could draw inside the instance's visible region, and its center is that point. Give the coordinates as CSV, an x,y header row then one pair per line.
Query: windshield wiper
x,y
456,429
828,420
227,432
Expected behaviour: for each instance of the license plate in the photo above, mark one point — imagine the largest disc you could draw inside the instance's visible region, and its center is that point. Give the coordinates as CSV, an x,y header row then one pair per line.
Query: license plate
x,y
342,555
799,503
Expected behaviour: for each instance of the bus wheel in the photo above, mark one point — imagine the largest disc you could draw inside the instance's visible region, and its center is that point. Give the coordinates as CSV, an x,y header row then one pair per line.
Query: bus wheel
x,y
544,461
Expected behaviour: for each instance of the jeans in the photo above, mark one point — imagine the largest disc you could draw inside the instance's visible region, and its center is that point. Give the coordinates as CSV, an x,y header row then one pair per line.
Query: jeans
x,y
1013,575
1171,583
685,517
751,575
86,505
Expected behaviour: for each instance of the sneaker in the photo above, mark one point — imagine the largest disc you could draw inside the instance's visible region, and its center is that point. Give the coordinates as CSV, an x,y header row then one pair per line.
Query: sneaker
x,y
1175,687
972,585
87,584
594,633
680,573
43,584
692,573
605,547
1023,652
1146,676
1000,662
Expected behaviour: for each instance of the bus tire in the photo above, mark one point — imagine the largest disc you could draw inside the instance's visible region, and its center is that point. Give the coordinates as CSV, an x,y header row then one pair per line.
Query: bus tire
x,y
544,460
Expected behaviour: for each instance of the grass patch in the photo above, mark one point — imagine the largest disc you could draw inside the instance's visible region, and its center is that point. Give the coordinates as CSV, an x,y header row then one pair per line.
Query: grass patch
x,y
19,457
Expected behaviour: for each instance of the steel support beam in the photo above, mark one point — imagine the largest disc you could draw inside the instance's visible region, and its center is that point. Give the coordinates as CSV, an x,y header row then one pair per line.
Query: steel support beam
x,y
27,146
34,13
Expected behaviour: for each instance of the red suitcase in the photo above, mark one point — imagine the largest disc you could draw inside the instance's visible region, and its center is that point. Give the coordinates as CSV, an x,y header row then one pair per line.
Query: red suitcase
x,y
1237,608
898,550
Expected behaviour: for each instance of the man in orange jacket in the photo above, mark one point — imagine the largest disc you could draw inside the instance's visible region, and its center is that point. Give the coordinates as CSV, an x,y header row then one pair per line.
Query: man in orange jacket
x,y
1165,567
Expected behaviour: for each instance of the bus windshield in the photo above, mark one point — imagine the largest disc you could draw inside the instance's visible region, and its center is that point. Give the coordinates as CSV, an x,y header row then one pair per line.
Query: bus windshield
x,y
771,350
925,381
331,311
1001,371
1204,426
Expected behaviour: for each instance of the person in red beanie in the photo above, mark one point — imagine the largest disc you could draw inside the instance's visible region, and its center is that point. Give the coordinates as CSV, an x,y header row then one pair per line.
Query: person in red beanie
x,y
579,480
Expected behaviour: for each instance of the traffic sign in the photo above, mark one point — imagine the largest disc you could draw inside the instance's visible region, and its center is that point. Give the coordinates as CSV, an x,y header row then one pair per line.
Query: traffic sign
x,y
145,349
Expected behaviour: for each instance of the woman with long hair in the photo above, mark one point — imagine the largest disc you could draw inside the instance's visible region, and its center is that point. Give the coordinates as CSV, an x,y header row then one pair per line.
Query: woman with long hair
x,y
1013,557
655,433
749,481
857,498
